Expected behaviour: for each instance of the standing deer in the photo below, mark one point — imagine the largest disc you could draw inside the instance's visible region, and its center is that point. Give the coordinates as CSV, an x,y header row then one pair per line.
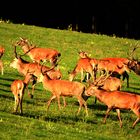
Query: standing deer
x,y
63,88
116,65
116,100
38,54
2,51
134,63
24,66
107,82
116,70
18,89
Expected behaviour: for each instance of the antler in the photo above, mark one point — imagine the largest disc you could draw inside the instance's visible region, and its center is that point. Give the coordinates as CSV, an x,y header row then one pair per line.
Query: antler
x,y
102,78
131,54
44,72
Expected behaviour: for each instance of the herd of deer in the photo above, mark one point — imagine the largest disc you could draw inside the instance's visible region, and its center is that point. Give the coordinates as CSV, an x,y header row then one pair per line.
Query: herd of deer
x,y
106,88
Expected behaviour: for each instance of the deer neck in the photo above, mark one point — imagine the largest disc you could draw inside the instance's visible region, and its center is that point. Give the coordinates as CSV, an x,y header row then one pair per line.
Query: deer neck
x,y
46,81
99,93
22,67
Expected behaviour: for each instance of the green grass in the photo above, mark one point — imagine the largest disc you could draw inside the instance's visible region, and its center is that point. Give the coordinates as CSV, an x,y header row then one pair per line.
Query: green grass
x,y
38,124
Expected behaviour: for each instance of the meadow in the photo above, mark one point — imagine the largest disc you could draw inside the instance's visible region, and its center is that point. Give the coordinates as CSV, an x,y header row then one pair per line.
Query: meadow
x,y
36,123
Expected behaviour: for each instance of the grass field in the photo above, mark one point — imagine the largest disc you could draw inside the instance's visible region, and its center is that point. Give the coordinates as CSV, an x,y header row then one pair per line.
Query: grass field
x,y
36,123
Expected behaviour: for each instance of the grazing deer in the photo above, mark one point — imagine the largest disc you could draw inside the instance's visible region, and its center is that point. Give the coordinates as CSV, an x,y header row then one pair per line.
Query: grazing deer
x,y
63,88
83,65
2,51
24,66
18,89
116,100
39,54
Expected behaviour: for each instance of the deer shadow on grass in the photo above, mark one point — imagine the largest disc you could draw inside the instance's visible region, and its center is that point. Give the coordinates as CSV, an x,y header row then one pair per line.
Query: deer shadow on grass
x,y
60,118
8,79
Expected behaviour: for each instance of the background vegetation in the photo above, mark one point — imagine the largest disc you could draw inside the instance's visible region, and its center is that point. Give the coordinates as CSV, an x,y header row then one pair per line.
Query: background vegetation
x,y
38,124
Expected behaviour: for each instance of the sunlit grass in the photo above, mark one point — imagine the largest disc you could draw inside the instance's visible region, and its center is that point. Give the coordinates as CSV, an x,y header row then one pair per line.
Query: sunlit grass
x,y
36,123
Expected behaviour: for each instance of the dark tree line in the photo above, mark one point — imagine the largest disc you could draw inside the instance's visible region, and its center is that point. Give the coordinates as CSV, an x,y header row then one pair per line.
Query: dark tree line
x,y
114,17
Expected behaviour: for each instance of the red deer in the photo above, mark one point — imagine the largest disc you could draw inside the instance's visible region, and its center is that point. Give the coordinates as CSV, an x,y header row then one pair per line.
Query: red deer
x,y
134,63
106,65
108,83
63,88
23,67
18,89
118,65
38,54
2,51
83,65
116,100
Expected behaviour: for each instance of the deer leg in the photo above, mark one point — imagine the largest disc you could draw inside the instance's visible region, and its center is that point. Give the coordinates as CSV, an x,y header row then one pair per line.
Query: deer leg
x,y
64,101
48,103
20,104
16,104
119,116
2,71
29,94
82,75
33,86
136,121
1,67
125,75
107,112
87,76
81,103
95,101
21,99
137,112
58,100
91,73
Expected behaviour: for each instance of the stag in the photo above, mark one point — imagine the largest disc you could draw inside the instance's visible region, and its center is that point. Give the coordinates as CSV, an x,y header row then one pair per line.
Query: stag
x,y
24,66
107,82
38,54
108,66
116,100
63,88
133,63
114,65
